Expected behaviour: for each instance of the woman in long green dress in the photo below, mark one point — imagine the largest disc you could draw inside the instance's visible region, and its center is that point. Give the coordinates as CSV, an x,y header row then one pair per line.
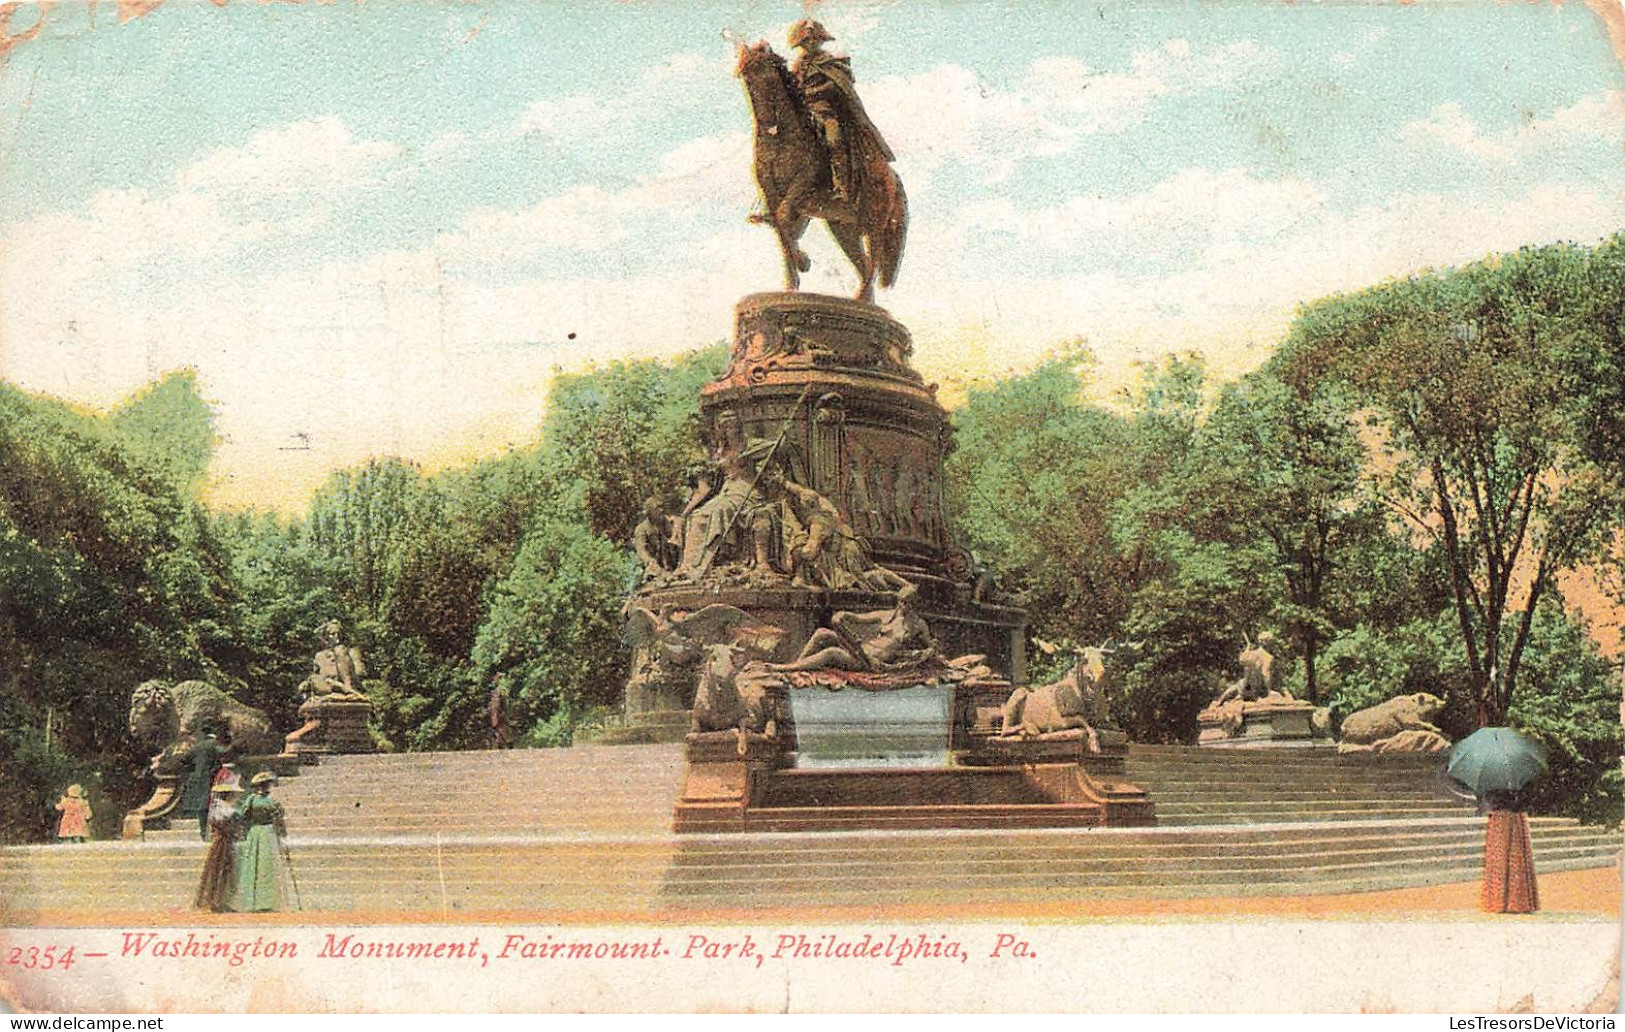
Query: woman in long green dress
x,y
260,818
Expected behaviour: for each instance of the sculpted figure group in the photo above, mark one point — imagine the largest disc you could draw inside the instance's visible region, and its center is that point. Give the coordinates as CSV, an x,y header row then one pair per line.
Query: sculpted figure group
x,y
725,654
748,521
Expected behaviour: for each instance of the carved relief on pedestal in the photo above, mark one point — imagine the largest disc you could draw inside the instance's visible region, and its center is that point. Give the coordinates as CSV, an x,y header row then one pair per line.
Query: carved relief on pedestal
x,y
828,445
798,331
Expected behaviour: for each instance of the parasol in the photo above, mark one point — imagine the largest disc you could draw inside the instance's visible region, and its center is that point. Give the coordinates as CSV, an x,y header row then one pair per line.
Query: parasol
x,y
1496,759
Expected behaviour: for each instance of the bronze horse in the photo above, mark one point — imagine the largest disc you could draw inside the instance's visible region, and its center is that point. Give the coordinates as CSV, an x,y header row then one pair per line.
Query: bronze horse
x,y
792,171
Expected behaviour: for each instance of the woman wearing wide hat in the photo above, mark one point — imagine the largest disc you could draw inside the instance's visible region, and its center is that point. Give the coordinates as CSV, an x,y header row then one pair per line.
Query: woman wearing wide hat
x,y
260,819
219,881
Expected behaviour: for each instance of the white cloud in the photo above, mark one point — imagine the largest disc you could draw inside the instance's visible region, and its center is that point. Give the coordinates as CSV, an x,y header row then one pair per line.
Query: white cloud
x,y
394,354
1231,298
563,116
135,236
444,145
316,156
682,79
950,113
445,351
1596,120
1176,217
709,170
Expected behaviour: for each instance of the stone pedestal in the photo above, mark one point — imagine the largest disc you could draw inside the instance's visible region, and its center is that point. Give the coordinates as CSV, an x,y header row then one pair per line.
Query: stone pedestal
x,y
865,431
725,778
333,724
829,379
156,811
738,783
1268,722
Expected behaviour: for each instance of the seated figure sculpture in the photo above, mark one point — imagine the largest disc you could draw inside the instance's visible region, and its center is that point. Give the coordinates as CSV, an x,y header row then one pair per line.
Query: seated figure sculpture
x,y
1256,706
721,513
336,670
1260,677
822,549
652,540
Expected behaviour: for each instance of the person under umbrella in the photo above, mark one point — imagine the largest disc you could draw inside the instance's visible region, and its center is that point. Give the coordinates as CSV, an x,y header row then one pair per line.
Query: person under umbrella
x,y
260,817
1497,764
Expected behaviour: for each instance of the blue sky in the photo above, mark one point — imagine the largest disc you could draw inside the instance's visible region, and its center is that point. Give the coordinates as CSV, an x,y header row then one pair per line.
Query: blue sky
x,y
414,206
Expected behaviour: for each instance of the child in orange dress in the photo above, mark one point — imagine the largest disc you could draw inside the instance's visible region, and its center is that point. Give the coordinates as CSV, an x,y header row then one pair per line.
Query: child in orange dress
x,y
75,810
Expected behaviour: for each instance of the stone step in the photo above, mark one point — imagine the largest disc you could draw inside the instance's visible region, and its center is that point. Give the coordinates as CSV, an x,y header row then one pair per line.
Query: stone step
x,y
977,884
1275,789
1309,794
1267,760
585,756
499,890
1205,754
1285,779
751,851
553,830
1177,820
1168,848
756,849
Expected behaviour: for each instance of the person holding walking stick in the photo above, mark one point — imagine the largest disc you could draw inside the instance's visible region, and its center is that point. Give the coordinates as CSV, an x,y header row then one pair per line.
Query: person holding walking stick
x,y
260,818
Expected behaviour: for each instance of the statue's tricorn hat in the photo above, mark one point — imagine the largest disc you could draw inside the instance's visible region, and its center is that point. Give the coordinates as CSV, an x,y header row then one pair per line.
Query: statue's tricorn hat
x,y
808,31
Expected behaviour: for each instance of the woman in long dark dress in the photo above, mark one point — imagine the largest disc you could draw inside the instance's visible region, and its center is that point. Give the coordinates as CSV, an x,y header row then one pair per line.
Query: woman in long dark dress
x,y
1509,862
219,882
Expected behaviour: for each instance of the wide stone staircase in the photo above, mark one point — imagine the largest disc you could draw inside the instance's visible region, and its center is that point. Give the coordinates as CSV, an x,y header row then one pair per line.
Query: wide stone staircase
x,y
1197,786
587,831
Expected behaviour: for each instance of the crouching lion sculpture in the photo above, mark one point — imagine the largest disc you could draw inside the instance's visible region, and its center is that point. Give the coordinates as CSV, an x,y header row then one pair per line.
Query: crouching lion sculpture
x,y
159,712
1402,724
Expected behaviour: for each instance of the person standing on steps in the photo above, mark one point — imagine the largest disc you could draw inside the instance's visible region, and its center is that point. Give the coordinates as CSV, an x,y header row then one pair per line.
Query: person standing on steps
x,y
262,827
202,762
1509,861
219,879
496,717
75,810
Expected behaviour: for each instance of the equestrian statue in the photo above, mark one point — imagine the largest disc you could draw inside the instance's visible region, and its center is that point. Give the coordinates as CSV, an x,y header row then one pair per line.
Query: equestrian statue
x,y
819,156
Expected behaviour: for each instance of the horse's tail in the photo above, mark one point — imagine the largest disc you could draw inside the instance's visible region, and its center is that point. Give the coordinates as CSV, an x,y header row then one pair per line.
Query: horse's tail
x,y
891,228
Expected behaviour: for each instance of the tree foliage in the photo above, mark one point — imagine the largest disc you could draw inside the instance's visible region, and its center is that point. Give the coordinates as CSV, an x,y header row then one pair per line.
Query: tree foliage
x,y
1466,376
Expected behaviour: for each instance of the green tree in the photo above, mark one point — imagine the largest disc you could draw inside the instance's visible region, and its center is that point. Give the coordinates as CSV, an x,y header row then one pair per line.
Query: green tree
x,y
1280,470
108,575
1029,489
365,518
552,638
170,428
1462,373
625,431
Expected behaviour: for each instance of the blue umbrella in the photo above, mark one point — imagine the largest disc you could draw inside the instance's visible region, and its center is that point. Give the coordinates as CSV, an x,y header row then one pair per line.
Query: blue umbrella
x,y
1496,759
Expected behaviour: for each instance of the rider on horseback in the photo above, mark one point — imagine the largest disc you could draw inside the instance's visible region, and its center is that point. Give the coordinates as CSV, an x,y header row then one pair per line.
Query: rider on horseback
x,y
826,86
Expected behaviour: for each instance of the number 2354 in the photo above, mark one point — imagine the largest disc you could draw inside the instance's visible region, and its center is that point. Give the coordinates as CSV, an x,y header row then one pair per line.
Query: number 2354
x,y
44,959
